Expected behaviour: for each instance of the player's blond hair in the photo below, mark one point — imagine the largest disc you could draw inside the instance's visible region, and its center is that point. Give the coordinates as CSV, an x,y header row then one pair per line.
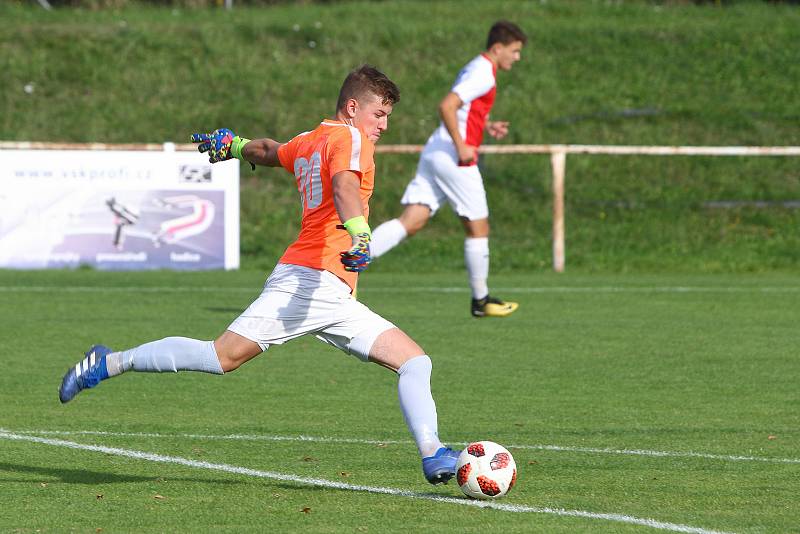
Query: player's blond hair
x,y
367,80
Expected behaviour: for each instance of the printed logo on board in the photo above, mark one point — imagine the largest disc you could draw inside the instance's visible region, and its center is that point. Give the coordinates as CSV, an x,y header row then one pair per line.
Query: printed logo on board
x,y
195,174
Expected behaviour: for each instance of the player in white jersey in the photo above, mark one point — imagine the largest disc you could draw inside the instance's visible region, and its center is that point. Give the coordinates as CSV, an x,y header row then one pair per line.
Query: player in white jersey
x,y
448,170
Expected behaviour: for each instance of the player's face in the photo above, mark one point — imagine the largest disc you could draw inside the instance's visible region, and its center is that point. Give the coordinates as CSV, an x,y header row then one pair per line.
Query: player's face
x,y
508,54
372,117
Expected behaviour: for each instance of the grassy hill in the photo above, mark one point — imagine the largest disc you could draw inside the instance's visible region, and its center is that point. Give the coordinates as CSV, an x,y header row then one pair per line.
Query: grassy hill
x,y
593,72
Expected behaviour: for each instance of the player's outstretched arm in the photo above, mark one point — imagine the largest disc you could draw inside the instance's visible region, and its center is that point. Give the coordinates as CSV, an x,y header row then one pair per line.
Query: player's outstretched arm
x,y
347,199
222,144
261,152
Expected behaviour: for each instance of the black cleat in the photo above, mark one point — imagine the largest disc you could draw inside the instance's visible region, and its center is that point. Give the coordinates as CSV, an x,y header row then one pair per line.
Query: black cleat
x,y
489,306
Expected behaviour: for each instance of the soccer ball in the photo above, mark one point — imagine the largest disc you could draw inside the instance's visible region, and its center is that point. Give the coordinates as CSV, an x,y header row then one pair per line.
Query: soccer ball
x,y
485,470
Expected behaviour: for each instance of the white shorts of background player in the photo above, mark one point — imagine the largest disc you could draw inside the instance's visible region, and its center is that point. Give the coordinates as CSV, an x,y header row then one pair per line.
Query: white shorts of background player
x,y
439,178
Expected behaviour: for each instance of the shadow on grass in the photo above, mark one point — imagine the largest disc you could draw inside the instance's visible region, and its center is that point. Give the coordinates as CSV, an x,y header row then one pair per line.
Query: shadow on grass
x,y
217,309
82,476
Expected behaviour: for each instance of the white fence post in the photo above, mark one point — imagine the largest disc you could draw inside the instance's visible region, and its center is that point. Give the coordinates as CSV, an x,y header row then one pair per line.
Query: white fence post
x,y
558,161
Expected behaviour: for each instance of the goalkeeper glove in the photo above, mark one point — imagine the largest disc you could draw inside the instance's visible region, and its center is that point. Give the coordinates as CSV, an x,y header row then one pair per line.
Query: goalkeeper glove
x,y
221,144
357,258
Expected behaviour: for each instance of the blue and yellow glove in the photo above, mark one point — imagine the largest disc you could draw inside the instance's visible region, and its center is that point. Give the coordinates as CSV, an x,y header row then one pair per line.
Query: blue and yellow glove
x,y
357,258
221,144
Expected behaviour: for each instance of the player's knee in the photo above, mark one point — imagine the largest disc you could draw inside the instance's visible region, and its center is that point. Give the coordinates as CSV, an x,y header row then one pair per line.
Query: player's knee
x,y
393,348
232,355
419,364
414,218
228,364
419,358
415,225
232,360
477,228
478,234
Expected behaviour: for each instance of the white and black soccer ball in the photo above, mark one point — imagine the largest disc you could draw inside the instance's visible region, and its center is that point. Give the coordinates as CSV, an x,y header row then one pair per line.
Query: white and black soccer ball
x,y
485,470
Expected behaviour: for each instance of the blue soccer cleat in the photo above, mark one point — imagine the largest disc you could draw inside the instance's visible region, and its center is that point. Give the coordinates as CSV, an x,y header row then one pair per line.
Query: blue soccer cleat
x,y
87,373
440,467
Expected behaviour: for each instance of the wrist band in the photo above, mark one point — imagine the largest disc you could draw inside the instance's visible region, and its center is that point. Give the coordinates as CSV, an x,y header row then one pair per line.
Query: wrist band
x,y
357,225
237,145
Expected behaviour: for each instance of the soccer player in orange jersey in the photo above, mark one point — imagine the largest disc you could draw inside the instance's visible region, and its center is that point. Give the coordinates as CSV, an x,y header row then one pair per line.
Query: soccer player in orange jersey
x,y
448,166
310,290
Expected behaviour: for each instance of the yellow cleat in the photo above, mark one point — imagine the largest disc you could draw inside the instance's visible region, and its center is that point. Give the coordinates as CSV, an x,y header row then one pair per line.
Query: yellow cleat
x,y
489,306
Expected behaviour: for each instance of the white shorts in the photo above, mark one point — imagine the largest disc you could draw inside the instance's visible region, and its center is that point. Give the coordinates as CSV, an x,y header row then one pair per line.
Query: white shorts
x,y
440,178
300,300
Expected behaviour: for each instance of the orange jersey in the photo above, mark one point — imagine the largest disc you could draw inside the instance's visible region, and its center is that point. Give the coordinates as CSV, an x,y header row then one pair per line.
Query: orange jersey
x,y
315,158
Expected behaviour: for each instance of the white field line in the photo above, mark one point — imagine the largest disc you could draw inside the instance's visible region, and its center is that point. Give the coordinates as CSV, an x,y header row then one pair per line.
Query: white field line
x,y
356,441
177,460
438,289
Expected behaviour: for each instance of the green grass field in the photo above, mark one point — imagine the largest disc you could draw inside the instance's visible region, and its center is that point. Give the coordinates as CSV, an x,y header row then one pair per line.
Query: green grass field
x,y
651,387
666,398
594,72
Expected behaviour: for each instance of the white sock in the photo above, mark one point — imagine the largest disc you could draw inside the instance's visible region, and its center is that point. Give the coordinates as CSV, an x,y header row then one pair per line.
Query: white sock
x,y
168,355
476,256
416,401
386,236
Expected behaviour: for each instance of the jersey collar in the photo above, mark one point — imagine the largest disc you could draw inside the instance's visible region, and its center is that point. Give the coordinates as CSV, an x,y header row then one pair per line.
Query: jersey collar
x,y
334,122
494,66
